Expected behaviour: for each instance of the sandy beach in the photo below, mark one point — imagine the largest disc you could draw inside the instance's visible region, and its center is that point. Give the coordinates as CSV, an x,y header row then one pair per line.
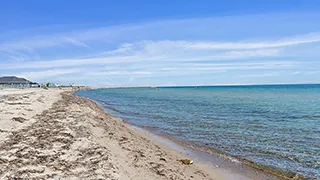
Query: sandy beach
x,y
53,134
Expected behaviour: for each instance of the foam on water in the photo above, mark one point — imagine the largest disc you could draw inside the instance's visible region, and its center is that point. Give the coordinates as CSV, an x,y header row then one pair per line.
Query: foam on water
x,y
273,125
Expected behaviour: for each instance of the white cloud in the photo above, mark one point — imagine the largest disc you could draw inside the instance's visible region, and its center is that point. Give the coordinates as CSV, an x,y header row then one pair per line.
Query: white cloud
x,y
297,72
76,42
118,73
188,69
41,42
182,47
289,41
43,75
149,52
260,75
313,72
132,32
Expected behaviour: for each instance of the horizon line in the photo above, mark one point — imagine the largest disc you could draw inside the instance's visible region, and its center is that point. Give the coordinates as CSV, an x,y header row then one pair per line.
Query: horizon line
x,y
216,85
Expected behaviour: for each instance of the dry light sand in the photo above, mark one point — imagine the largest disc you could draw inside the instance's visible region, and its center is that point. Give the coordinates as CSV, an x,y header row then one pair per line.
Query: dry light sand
x,y
53,134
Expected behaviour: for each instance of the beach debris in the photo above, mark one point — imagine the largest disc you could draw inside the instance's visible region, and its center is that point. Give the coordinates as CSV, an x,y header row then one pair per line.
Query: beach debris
x,y
19,119
217,166
185,161
297,177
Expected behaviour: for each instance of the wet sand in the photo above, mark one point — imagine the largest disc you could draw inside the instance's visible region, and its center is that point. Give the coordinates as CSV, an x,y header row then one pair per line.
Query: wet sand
x,y
228,166
53,134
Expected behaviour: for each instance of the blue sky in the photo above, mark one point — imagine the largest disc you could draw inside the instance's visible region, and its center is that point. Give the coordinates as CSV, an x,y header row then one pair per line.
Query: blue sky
x,y
140,43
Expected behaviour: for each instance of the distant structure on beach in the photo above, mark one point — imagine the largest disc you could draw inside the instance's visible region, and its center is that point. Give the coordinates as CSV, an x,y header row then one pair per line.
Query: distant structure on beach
x,y
15,82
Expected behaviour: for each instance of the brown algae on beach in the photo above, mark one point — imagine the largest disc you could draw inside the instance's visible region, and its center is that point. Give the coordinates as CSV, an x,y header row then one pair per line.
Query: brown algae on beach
x,y
185,161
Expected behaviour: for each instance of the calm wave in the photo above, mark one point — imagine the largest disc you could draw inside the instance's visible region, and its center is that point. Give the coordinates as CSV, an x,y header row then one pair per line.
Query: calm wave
x,y
273,125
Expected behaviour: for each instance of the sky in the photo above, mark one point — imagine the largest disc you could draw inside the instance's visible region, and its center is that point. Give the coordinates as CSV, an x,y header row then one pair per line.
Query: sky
x,y
161,43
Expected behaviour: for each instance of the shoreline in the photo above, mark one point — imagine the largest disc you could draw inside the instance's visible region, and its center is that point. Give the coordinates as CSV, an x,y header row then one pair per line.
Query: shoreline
x,y
212,157
237,164
75,138
229,168
173,146
230,161
64,136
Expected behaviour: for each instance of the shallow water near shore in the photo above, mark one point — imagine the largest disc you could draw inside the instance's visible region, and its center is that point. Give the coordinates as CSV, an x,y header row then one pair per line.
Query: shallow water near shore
x,y
224,166
272,125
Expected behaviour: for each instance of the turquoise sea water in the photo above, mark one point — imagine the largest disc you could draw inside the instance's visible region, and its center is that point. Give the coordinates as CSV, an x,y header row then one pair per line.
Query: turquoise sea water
x,y
273,125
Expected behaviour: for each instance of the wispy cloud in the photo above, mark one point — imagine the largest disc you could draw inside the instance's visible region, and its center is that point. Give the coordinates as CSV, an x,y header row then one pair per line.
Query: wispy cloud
x,y
179,29
207,45
272,74
40,42
115,55
154,51
43,75
118,73
288,41
313,72
76,42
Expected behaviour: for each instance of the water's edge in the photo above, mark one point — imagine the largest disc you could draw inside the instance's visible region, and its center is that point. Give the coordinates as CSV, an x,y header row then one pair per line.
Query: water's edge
x,y
211,156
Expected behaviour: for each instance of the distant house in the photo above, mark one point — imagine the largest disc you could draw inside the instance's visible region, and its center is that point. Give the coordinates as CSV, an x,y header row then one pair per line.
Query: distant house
x,y
12,81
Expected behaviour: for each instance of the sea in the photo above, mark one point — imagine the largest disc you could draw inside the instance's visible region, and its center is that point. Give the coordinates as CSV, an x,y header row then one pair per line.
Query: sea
x,y
271,125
